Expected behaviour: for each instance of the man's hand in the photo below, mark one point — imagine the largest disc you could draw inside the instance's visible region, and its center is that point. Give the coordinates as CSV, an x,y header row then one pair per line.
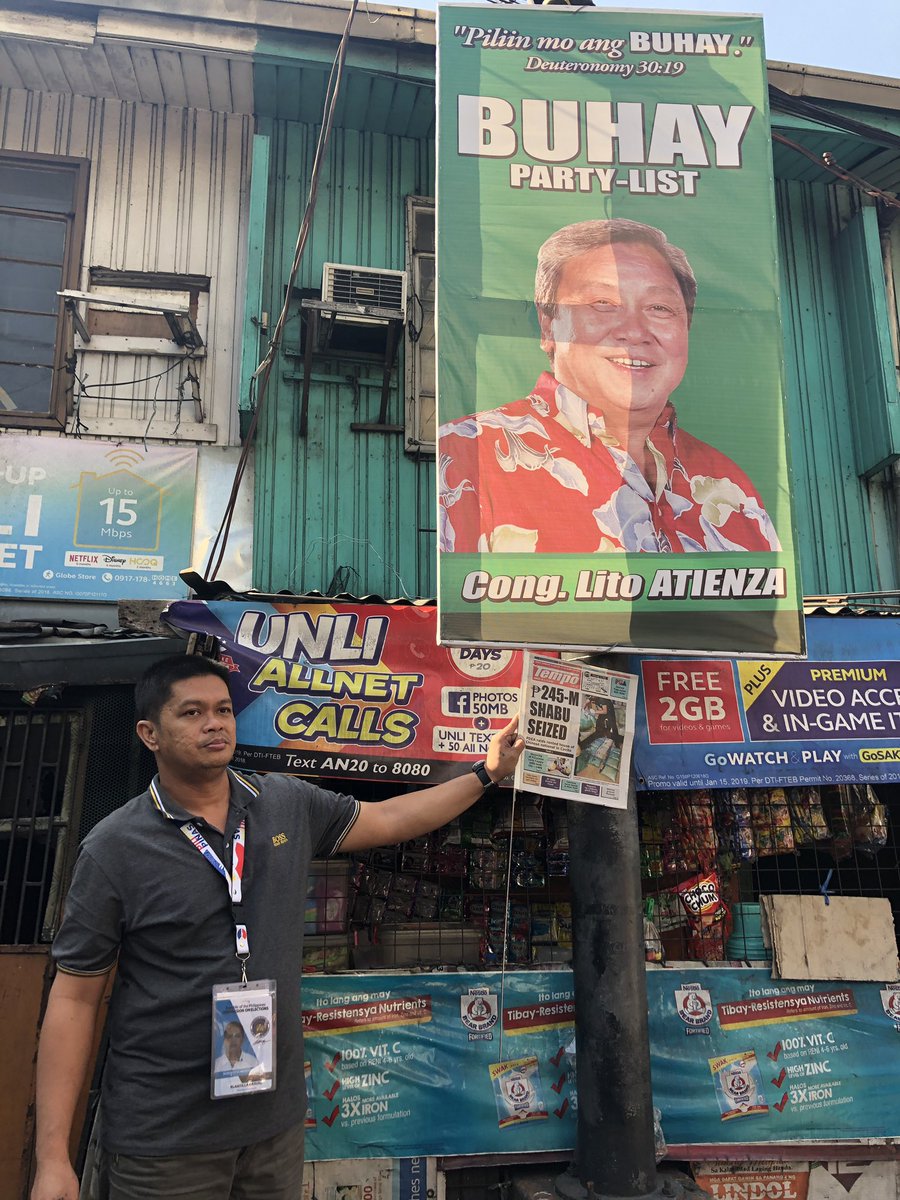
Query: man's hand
x,y
503,752
55,1181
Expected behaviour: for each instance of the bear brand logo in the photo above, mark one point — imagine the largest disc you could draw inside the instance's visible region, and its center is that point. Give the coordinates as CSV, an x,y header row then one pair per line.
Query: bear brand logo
x,y
694,1006
890,1002
478,1010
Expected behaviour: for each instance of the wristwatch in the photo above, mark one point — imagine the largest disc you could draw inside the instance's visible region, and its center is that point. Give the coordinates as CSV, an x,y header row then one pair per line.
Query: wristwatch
x,y
480,771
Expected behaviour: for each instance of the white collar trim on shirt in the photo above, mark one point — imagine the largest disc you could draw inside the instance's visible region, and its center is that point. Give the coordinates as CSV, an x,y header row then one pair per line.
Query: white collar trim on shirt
x,y
574,414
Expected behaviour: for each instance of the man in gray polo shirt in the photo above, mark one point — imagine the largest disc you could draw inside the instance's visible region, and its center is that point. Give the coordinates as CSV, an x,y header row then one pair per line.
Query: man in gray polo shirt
x,y
201,881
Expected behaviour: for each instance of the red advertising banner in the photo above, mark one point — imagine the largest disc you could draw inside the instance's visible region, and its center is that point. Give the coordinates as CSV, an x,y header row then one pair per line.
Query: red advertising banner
x,y
754,1181
690,700
355,690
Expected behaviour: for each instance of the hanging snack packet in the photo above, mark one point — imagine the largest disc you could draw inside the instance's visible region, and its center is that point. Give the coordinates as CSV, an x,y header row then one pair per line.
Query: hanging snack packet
x,y
807,815
708,915
868,818
771,821
676,856
651,836
694,814
739,1085
836,805
487,869
735,824
653,947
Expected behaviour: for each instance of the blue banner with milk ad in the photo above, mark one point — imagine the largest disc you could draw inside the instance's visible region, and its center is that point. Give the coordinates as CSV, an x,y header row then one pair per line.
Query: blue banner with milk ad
x,y
721,722
405,1065
445,1064
738,1057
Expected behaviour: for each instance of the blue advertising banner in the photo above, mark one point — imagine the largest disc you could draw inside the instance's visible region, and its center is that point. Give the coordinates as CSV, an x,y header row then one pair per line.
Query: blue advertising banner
x,y
406,1065
740,1057
82,520
720,722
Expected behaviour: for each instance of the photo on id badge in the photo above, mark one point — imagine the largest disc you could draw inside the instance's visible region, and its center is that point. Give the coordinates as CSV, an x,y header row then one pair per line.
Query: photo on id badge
x,y
243,1039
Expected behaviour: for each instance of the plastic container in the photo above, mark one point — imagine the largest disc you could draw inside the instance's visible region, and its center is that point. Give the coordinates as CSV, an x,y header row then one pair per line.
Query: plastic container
x,y
425,945
746,941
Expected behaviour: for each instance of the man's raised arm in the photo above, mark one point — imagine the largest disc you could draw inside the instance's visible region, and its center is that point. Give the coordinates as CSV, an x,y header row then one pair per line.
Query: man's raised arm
x,y
402,818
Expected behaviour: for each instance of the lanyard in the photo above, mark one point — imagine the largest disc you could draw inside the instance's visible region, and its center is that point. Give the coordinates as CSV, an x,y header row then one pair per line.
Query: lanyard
x,y
234,879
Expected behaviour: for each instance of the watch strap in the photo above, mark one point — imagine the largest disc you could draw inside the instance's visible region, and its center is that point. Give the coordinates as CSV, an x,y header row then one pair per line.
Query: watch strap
x,y
480,771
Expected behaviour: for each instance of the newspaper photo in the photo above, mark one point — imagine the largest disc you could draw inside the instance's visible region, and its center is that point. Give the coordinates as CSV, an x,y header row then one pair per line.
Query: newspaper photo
x,y
578,725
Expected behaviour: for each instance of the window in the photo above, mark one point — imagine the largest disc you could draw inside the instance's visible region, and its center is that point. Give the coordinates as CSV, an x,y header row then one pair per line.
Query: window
x,y
420,363
39,753
42,205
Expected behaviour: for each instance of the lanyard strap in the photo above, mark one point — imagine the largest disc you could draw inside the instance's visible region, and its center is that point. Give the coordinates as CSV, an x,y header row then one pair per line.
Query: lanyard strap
x,y
234,879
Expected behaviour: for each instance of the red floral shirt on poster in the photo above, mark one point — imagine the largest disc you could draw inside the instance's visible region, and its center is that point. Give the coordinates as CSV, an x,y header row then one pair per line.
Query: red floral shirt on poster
x,y
543,475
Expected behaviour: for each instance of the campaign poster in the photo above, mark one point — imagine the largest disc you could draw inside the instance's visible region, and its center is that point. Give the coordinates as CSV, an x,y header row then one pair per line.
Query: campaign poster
x,y
355,691
578,726
720,722
91,520
612,453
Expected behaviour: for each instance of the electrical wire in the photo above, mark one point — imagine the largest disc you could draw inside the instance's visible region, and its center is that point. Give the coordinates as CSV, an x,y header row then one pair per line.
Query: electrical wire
x,y
828,162
141,378
260,378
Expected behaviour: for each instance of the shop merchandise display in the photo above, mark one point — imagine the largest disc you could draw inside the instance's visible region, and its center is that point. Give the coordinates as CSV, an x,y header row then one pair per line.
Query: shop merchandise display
x,y
442,899
770,816
697,848
857,818
417,899
807,816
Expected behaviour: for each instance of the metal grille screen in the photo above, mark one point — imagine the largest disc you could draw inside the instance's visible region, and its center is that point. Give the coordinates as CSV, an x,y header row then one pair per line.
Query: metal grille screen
x,y
38,758
118,766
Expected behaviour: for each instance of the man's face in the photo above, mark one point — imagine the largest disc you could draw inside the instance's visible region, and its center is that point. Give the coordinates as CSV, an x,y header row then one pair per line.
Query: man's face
x,y
195,730
233,1039
619,339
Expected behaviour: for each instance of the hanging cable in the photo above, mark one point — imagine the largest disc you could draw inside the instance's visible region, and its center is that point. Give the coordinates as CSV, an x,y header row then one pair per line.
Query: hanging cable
x,y
509,866
260,379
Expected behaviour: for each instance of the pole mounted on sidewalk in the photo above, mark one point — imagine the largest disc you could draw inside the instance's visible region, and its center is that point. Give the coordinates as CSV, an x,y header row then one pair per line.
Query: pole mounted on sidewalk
x,y
615,1155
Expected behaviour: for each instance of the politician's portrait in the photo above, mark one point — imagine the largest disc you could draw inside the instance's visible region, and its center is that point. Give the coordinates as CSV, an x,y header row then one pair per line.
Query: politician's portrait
x,y
594,459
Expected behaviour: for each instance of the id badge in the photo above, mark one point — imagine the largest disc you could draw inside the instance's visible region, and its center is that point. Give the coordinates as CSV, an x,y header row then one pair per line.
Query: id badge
x,y
243,1039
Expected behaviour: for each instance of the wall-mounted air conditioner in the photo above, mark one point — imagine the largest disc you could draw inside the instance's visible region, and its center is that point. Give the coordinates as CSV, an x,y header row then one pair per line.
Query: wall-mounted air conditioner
x,y
364,289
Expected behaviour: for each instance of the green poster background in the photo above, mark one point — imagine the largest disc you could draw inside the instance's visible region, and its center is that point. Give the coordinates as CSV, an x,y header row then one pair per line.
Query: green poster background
x,y
488,335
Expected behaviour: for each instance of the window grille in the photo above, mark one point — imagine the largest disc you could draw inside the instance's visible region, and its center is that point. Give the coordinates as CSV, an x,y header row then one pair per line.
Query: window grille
x,y
42,206
39,758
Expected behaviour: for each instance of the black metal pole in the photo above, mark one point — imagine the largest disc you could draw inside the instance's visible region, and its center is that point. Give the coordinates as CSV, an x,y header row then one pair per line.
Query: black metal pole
x,y
615,1148
615,1152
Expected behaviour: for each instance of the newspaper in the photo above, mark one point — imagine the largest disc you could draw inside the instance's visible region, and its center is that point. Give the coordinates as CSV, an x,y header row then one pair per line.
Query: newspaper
x,y
578,725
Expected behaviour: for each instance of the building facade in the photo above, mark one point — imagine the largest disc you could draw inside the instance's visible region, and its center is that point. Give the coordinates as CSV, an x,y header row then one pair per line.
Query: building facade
x,y
157,169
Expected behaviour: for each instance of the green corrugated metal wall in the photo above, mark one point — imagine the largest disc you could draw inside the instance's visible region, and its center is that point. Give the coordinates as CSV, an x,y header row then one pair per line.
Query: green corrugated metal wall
x,y
338,503
354,509
840,518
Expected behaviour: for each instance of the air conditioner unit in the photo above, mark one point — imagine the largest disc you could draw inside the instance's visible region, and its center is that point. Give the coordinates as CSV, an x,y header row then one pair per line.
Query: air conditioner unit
x,y
364,289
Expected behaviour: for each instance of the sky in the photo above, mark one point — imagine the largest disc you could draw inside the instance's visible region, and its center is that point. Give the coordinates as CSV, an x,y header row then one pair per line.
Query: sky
x,y
851,35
